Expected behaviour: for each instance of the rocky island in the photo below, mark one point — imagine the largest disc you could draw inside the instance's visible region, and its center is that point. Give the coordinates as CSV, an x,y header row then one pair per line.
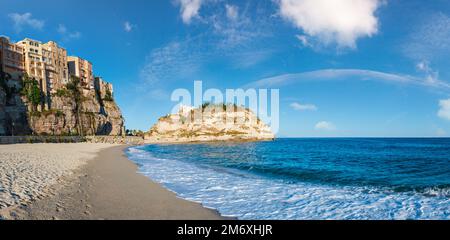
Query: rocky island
x,y
209,122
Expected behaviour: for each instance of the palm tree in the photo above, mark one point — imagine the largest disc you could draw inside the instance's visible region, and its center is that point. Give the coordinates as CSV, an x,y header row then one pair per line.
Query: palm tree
x,y
75,92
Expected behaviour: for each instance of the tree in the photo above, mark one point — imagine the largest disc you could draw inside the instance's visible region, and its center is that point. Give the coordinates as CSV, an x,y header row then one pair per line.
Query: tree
x,y
31,90
135,133
4,78
74,89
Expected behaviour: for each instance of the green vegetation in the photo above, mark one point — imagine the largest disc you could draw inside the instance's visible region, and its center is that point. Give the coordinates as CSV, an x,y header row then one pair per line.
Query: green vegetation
x,y
46,113
134,133
219,105
167,117
30,90
59,113
108,96
205,105
187,134
74,88
62,93
235,133
3,83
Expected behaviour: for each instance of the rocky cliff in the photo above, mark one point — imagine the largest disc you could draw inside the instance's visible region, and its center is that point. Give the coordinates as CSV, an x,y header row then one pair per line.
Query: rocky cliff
x,y
91,115
2,112
209,123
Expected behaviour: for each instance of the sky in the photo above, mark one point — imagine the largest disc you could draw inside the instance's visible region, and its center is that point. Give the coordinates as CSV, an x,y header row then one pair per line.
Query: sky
x,y
344,68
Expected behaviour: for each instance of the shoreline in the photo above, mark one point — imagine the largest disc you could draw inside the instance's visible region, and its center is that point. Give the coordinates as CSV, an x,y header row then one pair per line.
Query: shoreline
x,y
233,141
109,187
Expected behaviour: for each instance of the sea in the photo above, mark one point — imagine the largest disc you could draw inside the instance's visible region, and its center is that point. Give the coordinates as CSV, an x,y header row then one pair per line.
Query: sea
x,y
314,179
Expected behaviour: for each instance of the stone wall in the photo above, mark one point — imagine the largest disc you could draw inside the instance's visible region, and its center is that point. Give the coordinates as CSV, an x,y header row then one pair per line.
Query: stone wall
x,y
71,139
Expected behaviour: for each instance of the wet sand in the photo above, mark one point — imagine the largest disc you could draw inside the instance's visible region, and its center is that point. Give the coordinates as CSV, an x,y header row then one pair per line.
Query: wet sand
x,y
109,187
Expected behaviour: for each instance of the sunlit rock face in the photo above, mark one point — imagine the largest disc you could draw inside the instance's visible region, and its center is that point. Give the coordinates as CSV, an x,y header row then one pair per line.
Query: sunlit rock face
x,y
209,123
94,116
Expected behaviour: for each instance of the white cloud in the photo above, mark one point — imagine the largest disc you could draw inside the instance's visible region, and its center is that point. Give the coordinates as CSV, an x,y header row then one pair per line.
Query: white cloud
x,y
338,21
189,9
232,12
429,39
128,27
325,126
175,60
239,28
431,76
303,107
66,34
444,111
347,74
304,40
62,29
240,43
26,20
422,66
75,35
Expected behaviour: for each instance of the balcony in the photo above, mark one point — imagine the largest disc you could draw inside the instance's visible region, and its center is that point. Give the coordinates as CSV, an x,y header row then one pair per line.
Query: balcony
x,y
50,68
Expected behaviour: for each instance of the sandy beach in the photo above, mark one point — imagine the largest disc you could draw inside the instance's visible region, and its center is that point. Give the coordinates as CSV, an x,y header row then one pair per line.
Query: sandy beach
x,y
84,181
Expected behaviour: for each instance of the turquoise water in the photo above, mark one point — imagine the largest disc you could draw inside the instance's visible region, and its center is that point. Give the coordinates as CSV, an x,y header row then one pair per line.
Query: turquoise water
x,y
308,178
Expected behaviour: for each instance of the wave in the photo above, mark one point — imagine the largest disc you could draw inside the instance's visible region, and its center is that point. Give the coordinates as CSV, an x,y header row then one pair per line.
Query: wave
x,y
249,196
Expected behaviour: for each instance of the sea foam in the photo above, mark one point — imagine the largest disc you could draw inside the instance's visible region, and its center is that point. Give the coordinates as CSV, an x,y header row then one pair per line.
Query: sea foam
x,y
248,196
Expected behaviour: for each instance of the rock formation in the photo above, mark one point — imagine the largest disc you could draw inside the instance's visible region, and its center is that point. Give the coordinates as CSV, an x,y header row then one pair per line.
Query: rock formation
x,y
91,115
209,123
2,112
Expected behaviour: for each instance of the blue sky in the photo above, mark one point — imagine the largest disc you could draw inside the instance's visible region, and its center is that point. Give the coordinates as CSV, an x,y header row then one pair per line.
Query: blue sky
x,y
344,67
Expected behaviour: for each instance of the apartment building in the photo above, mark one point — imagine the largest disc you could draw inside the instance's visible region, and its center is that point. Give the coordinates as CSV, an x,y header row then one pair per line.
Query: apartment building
x,y
46,62
103,87
49,64
11,58
82,69
55,59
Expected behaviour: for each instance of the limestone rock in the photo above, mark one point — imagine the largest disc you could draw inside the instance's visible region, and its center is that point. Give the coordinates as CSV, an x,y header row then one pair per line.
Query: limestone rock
x,y
213,123
2,112
93,117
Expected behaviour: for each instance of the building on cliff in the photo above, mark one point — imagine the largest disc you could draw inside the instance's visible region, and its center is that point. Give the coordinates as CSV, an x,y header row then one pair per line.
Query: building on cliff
x,y
56,108
11,57
105,89
47,63
82,69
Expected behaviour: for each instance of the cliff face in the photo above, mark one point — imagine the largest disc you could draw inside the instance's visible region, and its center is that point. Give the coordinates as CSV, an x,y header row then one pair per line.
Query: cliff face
x,y
94,119
2,112
213,123
92,116
13,115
